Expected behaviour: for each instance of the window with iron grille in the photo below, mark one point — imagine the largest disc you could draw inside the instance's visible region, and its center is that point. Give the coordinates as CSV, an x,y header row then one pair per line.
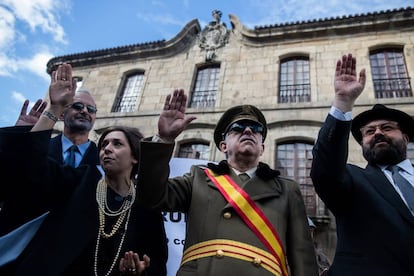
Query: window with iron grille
x,y
205,87
126,101
410,152
194,150
79,82
294,160
389,73
294,80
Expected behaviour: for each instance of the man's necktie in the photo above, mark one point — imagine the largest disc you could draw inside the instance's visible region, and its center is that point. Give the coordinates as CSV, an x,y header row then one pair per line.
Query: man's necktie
x,y
405,187
244,177
70,158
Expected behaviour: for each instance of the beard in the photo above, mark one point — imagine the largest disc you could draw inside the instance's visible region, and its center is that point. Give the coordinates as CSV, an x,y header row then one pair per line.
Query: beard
x,y
394,153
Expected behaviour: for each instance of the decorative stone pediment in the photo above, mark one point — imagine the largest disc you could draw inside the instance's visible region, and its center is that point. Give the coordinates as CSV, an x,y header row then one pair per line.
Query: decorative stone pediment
x,y
214,36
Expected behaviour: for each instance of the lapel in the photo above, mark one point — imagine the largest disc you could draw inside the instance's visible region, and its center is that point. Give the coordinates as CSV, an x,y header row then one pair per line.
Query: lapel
x,y
91,156
55,149
381,184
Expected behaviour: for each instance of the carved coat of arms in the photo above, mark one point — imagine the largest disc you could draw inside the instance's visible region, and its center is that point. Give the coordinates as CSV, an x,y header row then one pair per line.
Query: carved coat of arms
x,y
214,36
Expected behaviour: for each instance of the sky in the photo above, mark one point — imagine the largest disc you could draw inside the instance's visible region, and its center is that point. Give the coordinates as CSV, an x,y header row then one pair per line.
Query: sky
x,y
34,31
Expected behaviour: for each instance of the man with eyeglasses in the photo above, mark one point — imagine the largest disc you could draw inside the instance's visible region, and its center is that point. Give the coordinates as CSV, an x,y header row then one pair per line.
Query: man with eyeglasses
x,y
373,206
78,120
243,218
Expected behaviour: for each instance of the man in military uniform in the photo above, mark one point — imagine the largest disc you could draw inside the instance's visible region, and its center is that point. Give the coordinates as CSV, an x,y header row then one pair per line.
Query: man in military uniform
x,y
242,217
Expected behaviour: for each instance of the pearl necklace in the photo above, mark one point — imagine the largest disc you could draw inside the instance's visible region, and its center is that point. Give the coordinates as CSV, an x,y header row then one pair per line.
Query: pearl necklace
x,y
101,198
122,212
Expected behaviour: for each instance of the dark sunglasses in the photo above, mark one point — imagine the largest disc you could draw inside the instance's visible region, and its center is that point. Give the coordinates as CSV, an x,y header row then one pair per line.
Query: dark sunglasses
x,y
78,106
239,127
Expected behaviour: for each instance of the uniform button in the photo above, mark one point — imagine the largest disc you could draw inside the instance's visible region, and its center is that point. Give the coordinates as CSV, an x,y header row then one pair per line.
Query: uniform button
x,y
257,261
227,215
219,254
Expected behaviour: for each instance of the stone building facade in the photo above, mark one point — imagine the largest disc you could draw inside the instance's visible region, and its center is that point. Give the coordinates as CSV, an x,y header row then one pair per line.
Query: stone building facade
x,y
284,69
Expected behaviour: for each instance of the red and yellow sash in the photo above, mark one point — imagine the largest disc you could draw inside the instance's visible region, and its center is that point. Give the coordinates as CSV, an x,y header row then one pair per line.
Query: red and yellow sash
x,y
252,215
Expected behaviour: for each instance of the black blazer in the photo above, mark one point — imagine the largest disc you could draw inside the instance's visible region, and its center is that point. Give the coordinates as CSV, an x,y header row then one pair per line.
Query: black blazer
x,y
65,242
91,156
375,229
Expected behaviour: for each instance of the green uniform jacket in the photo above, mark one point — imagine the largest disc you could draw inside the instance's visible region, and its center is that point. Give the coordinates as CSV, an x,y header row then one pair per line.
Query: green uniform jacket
x,y
197,196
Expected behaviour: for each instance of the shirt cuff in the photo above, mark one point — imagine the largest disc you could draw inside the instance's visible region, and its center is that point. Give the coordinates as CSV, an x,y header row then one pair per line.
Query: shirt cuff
x,y
339,115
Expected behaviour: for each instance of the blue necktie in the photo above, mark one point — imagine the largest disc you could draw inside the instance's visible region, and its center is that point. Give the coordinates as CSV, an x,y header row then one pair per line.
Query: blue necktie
x,y
70,158
405,187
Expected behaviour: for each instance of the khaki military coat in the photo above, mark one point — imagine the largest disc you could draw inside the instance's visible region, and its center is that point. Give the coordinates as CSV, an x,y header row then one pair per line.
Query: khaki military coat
x,y
210,216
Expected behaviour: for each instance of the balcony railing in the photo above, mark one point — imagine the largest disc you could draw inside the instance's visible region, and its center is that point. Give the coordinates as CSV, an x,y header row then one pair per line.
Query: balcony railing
x,y
203,99
392,88
297,93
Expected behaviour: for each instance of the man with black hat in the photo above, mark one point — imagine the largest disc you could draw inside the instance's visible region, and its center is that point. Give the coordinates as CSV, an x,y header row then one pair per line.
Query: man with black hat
x,y
374,212
242,217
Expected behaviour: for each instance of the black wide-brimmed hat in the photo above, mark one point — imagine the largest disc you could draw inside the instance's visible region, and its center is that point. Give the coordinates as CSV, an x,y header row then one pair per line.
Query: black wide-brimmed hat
x,y
235,114
381,112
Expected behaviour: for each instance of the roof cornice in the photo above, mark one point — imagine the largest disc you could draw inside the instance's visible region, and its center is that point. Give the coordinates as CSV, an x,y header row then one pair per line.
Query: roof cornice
x,y
327,27
400,19
160,48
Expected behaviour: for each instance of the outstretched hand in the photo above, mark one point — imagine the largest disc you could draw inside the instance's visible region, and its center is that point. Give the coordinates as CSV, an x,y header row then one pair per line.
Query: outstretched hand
x,y
130,264
347,85
61,91
173,119
30,119
62,87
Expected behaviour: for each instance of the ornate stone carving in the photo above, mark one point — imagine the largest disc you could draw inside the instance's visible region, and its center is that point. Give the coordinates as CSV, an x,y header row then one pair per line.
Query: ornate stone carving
x,y
214,36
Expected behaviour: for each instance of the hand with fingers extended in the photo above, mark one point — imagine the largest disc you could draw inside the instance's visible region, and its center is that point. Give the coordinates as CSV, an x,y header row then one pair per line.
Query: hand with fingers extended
x,y
348,86
130,264
173,119
30,119
62,86
62,89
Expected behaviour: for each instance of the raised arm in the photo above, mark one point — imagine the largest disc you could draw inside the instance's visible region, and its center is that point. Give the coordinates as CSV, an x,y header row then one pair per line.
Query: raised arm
x,y
31,118
173,119
348,86
61,91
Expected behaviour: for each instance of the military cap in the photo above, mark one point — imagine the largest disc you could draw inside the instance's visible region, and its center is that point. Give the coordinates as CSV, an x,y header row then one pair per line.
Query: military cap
x,y
381,112
235,114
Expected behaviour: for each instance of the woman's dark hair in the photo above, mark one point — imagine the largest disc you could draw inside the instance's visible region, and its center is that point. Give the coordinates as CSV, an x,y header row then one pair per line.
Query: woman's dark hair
x,y
133,136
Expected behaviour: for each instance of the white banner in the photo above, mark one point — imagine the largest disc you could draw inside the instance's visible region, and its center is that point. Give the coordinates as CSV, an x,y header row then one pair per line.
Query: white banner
x,y
175,222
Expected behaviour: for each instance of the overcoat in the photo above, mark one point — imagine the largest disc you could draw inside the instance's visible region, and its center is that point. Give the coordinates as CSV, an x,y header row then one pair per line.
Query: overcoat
x,y
375,229
210,216
65,242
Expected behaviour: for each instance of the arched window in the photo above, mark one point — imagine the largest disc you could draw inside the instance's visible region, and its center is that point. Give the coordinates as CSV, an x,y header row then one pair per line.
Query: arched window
x,y
389,73
205,87
79,82
294,80
126,101
294,160
410,152
194,150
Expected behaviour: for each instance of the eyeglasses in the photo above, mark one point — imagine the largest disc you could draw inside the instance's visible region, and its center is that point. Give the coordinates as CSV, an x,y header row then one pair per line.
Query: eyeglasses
x,y
78,106
239,127
384,128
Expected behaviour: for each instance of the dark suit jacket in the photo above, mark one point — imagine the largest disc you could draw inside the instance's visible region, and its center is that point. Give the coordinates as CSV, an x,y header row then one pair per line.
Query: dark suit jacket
x,y
65,242
91,156
375,229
